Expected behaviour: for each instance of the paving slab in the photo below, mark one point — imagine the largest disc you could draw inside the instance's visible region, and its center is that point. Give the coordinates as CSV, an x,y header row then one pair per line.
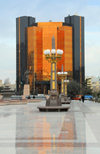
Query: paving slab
x,y
25,130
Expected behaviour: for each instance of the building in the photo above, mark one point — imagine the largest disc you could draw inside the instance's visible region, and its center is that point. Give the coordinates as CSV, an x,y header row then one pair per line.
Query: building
x,y
89,82
93,83
21,48
78,47
33,38
1,84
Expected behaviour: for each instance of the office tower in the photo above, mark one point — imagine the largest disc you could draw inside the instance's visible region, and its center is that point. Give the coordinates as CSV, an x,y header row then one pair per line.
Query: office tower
x,y
77,23
21,49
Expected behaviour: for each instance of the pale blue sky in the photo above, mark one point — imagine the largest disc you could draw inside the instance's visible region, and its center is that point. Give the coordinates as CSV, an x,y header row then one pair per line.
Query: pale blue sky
x,y
45,10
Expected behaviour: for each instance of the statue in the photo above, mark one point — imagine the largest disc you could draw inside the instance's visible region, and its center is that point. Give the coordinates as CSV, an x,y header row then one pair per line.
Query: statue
x,y
27,76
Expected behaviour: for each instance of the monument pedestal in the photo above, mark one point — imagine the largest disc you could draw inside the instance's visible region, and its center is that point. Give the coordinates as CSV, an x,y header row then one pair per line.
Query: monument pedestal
x,y
62,98
54,108
54,99
53,104
26,91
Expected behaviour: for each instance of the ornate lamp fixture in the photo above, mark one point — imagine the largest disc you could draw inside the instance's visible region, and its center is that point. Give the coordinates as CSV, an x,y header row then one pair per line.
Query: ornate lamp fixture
x,y
53,103
53,56
63,76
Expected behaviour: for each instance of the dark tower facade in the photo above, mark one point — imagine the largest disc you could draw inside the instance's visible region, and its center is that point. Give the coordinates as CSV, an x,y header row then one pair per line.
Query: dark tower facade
x,y
77,23
21,49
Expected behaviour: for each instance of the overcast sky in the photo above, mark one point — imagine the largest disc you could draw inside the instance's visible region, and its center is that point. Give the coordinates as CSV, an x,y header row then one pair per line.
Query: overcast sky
x,y
45,10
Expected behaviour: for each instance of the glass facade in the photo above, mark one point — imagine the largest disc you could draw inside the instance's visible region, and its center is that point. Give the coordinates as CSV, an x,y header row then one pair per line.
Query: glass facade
x,y
39,38
21,49
77,23
65,43
33,38
49,30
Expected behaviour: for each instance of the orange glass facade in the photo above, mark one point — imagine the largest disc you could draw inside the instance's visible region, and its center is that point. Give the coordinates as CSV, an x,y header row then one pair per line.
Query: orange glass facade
x,y
49,30
39,38
35,56
65,43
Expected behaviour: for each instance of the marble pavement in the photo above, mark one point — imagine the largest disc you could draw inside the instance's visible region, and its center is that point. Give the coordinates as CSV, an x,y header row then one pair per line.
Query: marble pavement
x,y
25,130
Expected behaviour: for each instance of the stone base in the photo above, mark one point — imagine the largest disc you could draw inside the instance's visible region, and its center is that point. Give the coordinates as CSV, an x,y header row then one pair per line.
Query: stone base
x,y
65,100
54,99
53,108
53,104
26,90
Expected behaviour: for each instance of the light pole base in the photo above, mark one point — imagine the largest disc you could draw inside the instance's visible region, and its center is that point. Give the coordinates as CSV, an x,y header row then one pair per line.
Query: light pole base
x,y
65,100
54,99
53,108
53,104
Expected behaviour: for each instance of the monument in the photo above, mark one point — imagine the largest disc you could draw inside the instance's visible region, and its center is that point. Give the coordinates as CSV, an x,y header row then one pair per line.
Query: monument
x,y
26,91
53,103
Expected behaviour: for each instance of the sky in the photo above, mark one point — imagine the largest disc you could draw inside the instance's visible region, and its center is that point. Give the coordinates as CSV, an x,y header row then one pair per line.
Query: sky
x,y
43,11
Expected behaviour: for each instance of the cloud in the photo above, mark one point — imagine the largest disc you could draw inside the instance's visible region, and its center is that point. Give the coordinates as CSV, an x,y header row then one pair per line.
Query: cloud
x,y
91,13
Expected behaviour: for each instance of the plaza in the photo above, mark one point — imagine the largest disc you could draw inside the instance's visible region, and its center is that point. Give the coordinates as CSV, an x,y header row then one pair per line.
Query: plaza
x,y
25,130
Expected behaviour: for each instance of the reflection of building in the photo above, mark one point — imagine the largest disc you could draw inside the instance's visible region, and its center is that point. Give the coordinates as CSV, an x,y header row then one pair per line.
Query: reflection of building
x,y
33,38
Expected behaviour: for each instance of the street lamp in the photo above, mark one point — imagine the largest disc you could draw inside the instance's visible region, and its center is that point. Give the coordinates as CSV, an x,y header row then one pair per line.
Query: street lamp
x,y
53,57
66,99
65,87
53,103
63,76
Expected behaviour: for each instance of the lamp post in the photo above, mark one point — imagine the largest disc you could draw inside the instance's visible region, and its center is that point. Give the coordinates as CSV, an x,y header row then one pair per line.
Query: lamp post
x,y
53,56
66,99
65,87
53,103
62,75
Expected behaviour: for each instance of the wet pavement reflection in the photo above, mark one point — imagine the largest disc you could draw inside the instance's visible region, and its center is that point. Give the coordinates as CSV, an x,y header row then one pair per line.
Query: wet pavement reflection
x,y
25,130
